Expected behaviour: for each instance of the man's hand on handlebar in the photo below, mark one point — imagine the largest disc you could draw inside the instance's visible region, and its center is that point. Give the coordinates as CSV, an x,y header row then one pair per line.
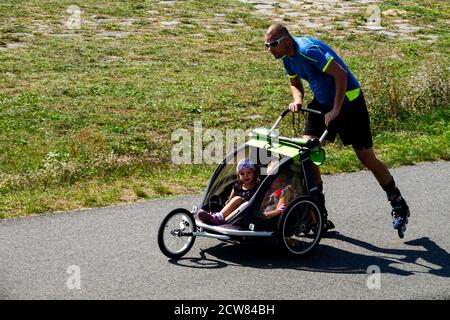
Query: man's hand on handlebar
x,y
295,106
330,116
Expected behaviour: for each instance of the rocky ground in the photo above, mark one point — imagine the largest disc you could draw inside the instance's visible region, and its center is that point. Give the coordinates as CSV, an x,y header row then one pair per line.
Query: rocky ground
x,y
341,18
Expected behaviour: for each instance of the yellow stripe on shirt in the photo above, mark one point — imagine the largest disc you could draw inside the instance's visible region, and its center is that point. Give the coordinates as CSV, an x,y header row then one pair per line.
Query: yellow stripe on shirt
x,y
328,63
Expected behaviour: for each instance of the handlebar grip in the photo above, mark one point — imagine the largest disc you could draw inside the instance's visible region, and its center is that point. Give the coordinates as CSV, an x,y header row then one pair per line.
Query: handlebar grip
x,y
285,112
312,111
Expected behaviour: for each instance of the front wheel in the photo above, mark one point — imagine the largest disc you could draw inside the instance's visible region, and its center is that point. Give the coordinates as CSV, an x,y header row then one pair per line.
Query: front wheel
x,y
300,226
175,237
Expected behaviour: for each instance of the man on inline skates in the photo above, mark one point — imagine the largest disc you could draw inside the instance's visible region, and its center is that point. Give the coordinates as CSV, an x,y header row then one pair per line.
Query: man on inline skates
x,y
338,95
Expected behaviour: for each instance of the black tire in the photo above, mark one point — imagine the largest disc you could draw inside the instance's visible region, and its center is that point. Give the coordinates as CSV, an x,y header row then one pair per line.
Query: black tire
x,y
170,243
300,226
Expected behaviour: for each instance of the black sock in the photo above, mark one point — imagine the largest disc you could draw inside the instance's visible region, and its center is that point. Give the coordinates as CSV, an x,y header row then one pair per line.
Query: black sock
x,y
391,190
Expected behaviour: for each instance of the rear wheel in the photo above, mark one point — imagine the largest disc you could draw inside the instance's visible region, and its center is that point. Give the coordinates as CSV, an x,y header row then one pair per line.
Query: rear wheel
x,y
300,226
175,237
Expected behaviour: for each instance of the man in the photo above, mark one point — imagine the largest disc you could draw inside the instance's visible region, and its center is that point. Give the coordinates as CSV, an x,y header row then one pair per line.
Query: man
x,y
338,95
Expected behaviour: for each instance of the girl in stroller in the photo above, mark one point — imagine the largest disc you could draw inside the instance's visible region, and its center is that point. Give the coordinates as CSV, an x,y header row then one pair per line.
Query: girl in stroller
x,y
243,189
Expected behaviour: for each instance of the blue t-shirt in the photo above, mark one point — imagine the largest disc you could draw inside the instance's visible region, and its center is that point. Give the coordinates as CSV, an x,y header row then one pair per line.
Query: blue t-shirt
x,y
311,62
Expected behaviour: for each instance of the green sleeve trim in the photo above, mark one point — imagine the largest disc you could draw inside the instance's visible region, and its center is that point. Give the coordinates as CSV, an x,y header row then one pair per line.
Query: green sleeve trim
x,y
353,94
292,76
328,63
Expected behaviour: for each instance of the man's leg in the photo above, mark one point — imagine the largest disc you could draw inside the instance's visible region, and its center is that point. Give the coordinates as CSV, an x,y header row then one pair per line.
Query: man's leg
x,y
316,169
314,127
400,210
319,183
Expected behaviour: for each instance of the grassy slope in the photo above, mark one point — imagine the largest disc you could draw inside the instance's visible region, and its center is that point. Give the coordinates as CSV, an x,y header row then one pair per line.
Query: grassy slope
x,y
86,119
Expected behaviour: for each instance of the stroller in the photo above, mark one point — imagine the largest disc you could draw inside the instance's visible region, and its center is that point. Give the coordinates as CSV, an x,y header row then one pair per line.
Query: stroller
x,y
298,228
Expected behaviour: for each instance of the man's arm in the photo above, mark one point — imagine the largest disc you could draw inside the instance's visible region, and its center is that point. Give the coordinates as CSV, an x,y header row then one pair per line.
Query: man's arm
x,y
340,79
298,92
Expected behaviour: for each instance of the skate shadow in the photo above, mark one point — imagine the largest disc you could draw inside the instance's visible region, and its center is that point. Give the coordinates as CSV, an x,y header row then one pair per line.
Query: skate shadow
x,y
265,254
430,252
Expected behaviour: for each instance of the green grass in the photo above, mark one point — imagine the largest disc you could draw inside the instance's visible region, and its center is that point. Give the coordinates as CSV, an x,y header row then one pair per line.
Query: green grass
x,y
86,119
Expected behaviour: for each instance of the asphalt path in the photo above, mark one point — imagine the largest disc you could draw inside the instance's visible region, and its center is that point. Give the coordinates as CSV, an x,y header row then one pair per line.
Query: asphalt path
x,y
112,253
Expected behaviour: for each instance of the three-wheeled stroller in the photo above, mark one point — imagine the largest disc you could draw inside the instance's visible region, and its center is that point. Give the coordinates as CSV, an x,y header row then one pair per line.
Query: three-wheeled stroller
x,y
298,227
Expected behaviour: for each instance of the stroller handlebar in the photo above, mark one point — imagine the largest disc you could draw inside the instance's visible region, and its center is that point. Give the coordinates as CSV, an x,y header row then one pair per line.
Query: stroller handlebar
x,y
287,110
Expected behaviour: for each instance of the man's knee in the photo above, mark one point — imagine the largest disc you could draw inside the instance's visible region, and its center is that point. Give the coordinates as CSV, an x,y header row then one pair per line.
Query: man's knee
x,y
366,156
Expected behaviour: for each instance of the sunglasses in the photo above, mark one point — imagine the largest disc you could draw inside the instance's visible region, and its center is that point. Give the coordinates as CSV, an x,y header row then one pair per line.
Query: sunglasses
x,y
273,44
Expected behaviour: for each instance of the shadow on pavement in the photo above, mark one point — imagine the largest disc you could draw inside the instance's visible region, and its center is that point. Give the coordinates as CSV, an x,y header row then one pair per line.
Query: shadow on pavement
x,y
267,254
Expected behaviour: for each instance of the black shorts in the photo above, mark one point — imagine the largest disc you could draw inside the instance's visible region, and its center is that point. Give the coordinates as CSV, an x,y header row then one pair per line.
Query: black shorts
x,y
352,124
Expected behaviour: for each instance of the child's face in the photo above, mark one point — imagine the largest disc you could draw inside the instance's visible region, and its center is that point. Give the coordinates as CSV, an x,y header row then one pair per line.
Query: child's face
x,y
247,175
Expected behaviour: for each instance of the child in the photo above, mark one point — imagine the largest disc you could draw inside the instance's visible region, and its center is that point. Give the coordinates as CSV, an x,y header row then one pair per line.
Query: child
x,y
244,188
280,197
